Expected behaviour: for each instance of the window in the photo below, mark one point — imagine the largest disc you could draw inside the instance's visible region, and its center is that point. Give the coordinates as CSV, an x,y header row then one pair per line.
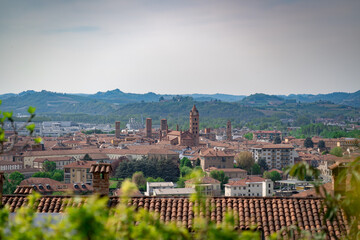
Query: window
x,y
269,185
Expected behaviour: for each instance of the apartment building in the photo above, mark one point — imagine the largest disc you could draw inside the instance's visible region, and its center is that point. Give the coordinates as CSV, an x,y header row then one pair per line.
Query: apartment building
x,y
276,155
78,172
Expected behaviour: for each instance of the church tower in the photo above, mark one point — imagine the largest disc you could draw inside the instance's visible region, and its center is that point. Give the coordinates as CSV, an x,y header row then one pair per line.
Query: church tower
x,y
194,125
228,131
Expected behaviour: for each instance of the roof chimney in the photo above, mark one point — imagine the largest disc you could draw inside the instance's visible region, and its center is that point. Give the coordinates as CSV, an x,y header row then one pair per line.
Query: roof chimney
x,y
101,174
2,178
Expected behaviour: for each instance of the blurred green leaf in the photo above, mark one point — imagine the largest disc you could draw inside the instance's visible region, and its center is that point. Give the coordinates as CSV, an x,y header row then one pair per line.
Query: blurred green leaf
x,y
38,140
7,114
31,110
31,127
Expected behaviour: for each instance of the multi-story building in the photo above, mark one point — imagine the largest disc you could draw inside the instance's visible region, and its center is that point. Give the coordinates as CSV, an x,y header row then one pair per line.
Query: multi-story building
x,y
276,155
208,186
215,158
78,172
8,166
250,186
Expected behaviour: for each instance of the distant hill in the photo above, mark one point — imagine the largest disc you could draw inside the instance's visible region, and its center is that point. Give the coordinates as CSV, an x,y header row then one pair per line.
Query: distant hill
x,y
260,99
349,99
105,107
52,102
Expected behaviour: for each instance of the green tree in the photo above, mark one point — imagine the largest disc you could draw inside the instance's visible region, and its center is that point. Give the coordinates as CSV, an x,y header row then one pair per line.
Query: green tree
x,y
321,144
255,169
244,160
277,140
49,166
12,181
58,175
308,143
336,151
220,176
140,181
248,136
197,162
274,175
42,175
185,162
263,165
163,168
138,178
159,179
87,157
185,171
181,182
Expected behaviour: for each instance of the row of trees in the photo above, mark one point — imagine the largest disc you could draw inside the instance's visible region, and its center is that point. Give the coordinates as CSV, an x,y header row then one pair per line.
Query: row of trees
x,y
164,168
324,131
50,171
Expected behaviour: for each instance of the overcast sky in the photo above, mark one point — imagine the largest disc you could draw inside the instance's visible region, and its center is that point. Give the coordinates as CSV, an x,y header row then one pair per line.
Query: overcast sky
x,y
235,47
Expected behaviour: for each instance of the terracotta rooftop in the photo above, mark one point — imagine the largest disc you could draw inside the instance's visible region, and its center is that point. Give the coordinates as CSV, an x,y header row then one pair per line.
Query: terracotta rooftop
x,y
277,146
214,153
269,214
47,185
80,164
52,159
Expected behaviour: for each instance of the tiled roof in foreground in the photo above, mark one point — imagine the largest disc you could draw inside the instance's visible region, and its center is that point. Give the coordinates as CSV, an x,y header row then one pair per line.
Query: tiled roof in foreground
x,y
269,214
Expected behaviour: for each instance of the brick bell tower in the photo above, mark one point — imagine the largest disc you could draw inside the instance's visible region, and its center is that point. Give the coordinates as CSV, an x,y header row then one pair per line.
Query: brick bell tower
x,y
194,125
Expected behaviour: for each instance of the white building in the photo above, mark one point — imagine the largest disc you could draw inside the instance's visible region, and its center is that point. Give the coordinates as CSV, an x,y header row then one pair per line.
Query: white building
x,y
276,155
183,192
151,186
251,186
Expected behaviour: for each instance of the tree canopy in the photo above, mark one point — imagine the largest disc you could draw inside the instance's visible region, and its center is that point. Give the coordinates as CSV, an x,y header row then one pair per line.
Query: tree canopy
x,y
244,160
308,143
166,169
336,151
12,181
220,176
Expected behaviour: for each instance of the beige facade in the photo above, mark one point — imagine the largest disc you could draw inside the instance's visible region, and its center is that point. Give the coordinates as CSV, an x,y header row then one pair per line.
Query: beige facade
x,y
229,172
78,172
276,155
215,158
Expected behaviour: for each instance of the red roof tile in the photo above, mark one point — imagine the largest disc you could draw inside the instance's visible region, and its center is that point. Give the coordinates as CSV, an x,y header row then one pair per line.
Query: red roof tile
x,y
269,214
